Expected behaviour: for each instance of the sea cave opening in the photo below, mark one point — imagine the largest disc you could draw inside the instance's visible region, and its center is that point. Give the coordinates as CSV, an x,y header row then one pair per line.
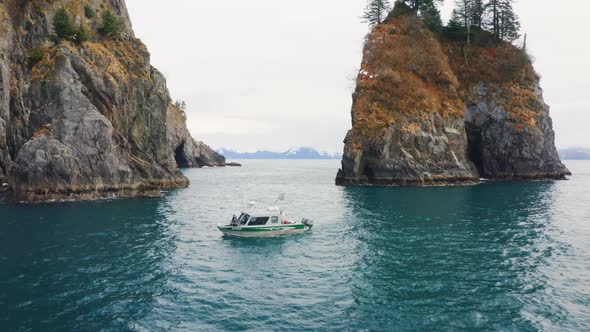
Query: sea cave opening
x,y
475,147
180,156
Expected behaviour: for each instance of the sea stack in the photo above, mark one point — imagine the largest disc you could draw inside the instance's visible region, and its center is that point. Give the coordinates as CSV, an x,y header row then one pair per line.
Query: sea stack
x,y
430,110
83,114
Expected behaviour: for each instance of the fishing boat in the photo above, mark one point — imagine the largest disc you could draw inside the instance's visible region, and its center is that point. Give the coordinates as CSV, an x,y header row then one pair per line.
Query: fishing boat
x,y
268,222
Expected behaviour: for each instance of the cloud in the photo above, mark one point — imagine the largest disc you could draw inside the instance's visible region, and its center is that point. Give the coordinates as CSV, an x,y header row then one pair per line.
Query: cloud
x,y
229,125
275,74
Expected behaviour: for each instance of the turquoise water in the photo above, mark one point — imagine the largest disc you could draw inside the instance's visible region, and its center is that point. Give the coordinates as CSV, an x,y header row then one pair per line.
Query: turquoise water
x,y
510,256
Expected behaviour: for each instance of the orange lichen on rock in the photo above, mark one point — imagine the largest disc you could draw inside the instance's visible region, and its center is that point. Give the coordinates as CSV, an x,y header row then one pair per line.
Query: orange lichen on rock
x,y
404,76
496,63
409,73
43,131
119,61
43,67
503,67
523,104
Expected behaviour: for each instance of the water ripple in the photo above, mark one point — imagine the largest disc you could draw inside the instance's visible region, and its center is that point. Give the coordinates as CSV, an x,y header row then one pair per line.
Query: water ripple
x,y
510,256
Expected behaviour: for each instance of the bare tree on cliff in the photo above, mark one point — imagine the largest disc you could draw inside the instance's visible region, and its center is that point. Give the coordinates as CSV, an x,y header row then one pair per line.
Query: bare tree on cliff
x,y
375,11
462,16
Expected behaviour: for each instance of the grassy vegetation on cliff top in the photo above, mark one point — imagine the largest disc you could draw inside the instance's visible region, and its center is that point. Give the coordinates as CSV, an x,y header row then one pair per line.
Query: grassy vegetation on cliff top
x,y
118,61
503,67
405,75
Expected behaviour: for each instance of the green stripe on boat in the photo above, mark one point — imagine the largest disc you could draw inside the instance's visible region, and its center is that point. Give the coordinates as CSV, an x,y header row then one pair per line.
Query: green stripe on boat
x,y
262,229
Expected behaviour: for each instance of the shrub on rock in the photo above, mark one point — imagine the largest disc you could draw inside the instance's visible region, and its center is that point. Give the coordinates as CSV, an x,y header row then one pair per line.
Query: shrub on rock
x,y
112,25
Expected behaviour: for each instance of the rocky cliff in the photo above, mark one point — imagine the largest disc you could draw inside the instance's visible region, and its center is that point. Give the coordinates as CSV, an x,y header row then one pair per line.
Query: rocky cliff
x,y
188,152
87,119
429,110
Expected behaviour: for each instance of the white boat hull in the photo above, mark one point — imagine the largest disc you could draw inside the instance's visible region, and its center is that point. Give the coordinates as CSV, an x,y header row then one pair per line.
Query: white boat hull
x,y
272,232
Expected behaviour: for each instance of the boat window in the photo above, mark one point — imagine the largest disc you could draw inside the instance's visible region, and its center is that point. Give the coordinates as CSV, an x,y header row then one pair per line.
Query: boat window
x,y
258,221
274,220
243,219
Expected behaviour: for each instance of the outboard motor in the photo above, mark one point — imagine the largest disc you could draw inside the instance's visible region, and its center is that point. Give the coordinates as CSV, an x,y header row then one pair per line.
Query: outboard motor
x,y
307,222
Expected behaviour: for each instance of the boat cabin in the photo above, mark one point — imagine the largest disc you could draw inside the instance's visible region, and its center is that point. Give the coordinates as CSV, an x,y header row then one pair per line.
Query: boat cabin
x,y
269,217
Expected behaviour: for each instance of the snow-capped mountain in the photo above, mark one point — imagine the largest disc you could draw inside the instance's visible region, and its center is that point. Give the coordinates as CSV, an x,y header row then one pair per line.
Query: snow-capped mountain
x,y
578,153
293,153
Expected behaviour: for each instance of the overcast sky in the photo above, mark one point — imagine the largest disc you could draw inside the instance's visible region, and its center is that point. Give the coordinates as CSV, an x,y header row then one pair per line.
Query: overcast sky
x,y
275,74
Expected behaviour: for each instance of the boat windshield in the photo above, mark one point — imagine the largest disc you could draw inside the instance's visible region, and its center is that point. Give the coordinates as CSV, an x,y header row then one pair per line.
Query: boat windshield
x,y
258,221
243,219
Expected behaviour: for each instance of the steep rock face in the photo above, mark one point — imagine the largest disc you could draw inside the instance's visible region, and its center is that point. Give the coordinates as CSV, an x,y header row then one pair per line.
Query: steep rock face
x,y
507,150
189,152
423,116
5,45
4,155
83,121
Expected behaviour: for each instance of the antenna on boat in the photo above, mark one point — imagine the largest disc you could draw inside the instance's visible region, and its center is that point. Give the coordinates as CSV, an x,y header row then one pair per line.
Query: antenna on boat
x,y
280,198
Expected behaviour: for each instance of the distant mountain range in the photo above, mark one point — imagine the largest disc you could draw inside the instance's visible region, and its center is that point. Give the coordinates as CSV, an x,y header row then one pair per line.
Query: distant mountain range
x,y
575,154
296,153
310,153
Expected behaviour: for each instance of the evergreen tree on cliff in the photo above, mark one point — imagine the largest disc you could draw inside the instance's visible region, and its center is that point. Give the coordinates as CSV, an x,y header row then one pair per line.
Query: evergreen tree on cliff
x,y
469,13
62,24
509,24
462,14
431,16
477,10
428,11
65,28
375,11
503,21
494,12
112,25
496,16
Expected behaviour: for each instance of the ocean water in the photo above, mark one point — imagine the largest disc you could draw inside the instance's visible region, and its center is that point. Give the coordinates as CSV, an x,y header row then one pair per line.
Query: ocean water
x,y
497,256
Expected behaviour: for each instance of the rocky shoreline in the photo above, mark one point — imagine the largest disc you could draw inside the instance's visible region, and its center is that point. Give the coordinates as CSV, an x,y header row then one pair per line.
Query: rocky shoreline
x,y
407,182
148,188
